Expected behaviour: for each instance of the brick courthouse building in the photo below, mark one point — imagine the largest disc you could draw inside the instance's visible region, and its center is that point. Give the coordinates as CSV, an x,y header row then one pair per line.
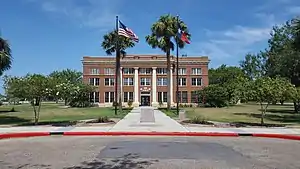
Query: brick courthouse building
x,y
144,78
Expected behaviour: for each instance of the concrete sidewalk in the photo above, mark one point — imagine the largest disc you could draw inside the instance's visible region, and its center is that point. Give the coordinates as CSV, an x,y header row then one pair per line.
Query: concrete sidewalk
x,y
162,122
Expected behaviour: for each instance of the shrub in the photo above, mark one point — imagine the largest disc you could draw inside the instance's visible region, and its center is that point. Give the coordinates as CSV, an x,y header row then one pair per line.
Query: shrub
x,y
161,104
130,103
199,120
115,104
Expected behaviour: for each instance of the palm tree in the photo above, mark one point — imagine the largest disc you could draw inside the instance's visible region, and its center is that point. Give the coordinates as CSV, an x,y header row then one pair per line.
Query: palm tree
x,y
5,56
109,45
161,36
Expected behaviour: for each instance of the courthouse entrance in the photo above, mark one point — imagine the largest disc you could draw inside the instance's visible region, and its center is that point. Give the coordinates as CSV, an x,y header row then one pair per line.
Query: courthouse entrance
x,y
145,98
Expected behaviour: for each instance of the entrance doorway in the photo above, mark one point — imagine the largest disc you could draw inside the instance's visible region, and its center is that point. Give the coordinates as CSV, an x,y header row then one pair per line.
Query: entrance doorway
x,y
145,100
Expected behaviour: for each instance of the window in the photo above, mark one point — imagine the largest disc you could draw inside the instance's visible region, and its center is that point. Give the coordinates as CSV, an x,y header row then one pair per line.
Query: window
x,y
162,81
184,97
195,97
196,71
109,71
196,81
95,71
109,97
182,82
128,96
182,71
128,81
162,96
179,97
94,81
94,97
145,81
145,70
109,81
161,71
128,71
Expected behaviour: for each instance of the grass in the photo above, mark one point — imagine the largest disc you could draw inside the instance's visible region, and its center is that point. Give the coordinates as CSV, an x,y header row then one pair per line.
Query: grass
x,y
247,113
53,113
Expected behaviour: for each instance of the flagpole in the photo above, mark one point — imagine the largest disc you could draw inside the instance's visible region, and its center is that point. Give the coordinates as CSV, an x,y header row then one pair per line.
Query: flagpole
x,y
177,69
117,66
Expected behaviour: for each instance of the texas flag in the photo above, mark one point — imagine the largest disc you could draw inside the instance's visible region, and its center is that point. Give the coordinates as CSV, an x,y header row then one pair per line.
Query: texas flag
x,y
183,36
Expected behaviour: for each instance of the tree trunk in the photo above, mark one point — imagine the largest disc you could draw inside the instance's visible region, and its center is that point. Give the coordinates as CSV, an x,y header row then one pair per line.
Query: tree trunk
x,y
118,81
262,114
169,80
296,107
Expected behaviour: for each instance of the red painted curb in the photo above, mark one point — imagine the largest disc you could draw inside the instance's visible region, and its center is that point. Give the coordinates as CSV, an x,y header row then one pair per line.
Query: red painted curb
x,y
282,136
25,134
150,134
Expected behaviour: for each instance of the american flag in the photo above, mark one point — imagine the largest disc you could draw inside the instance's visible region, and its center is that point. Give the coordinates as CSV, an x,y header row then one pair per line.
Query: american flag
x,y
124,31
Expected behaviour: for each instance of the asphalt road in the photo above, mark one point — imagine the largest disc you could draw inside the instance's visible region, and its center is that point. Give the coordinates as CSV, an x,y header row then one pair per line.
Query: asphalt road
x,y
148,152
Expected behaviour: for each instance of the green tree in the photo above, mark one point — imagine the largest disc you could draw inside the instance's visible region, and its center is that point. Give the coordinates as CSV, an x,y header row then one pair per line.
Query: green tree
x,y
62,83
34,88
266,90
67,75
5,56
214,96
283,58
80,95
109,44
254,65
230,78
296,27
162,33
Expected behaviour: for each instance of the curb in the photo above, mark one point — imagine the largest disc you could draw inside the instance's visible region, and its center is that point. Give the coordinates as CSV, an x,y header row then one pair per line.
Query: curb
x,y
188,134
24,134
149,134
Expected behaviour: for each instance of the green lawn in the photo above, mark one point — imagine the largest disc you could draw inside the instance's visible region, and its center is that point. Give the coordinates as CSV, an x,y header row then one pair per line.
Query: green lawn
x,y
246,113
51,112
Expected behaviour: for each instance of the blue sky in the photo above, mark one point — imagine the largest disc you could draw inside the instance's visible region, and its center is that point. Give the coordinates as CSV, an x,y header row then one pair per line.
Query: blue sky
x,y
47,35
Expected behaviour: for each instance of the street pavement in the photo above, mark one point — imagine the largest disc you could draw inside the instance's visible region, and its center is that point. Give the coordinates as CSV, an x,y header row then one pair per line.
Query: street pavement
x,y
148,153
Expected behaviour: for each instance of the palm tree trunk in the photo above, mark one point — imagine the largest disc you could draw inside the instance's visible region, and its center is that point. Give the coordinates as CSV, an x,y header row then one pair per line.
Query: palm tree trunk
x,y
119,98
169,79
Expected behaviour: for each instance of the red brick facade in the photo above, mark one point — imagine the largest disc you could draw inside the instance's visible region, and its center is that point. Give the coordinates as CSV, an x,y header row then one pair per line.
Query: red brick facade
x,y
146,69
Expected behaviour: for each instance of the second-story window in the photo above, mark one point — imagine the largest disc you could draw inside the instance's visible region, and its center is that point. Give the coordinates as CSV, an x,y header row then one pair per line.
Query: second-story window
x,y
109,71
162,81
196,81
94,81
161,71
109,81
145,81
182,82
145,71
182,71
128,71
128,81
94,71
196,71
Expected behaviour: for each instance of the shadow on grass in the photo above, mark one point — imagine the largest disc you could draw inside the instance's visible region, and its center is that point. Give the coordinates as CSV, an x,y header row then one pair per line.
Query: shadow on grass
x,y
283,111
51,123
128,161
284,118
5,120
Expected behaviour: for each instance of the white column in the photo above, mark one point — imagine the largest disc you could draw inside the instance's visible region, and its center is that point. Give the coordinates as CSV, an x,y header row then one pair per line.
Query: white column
x,y
154,101
121,83
136,87
171,81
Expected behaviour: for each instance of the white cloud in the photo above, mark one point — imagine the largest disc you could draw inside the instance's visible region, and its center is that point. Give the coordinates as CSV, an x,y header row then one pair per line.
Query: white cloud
x,y
98,14
223,46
